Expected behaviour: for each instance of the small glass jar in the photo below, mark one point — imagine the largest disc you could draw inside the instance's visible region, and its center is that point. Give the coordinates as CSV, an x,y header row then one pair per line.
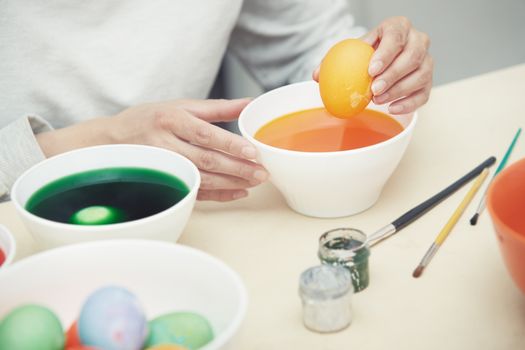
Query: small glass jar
x,y
326,292
347,247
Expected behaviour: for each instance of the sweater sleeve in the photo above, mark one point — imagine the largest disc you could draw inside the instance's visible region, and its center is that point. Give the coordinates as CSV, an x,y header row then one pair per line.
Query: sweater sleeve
x,y
283,41
19,149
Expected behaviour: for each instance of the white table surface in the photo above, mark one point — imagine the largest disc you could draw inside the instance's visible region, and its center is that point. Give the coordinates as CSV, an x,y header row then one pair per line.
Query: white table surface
x,y
464,300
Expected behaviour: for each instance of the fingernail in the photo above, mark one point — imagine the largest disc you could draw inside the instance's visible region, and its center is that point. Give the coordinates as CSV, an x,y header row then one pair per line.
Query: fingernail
x,y
239,194
249,152
381,98
254,182
260,175
375,67
396,109
378,86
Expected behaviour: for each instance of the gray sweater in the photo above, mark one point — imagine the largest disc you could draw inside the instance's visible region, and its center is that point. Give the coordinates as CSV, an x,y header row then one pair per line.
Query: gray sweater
x,y
63,62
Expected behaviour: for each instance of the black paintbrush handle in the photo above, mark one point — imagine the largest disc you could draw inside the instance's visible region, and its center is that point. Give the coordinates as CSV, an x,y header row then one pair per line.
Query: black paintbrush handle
x,y
422,208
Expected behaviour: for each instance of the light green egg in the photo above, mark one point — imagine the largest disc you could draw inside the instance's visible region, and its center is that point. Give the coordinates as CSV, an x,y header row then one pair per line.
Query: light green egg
x,y
97,215
31,327
188,329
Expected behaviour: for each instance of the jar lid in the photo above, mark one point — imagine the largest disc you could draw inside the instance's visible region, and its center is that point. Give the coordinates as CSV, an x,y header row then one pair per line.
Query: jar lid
x,y
343,245
325,282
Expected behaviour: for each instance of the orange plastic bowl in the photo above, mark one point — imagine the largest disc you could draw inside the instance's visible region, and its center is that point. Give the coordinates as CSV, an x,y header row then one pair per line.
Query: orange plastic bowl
x,y
506,205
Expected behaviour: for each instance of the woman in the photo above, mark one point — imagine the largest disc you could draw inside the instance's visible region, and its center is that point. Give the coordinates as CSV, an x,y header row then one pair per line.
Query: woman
x,y
95,71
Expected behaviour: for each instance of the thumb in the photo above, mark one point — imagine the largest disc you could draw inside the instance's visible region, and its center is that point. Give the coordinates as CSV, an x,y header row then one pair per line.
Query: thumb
x,y
215,110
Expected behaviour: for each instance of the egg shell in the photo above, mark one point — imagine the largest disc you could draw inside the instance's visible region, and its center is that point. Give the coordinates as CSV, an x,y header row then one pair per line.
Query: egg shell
x,y
31,327
2,256
183,328
72,337
112,319
344,82
167,347
97,215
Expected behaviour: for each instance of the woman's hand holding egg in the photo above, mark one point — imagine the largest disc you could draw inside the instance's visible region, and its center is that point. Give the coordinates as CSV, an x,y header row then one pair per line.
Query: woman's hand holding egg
x,y
400,70
401,66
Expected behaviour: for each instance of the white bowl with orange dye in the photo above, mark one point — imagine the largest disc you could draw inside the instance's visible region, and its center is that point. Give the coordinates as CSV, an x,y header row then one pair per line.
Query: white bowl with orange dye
x,y
323,184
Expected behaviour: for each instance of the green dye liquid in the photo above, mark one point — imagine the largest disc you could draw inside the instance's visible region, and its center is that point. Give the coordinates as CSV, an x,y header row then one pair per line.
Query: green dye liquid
x,y
358,266
107,196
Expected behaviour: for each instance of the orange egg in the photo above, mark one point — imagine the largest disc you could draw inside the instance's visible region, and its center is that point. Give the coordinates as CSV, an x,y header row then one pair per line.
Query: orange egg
x,y
167,347
72,338
344,81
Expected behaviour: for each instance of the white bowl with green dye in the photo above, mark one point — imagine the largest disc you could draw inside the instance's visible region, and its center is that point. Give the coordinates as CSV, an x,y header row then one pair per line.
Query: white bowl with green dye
x,y
165,278
165,225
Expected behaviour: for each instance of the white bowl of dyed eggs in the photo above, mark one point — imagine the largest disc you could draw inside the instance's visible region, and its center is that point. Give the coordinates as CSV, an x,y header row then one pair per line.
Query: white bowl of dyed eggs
x,y
319,174
123,294
107,192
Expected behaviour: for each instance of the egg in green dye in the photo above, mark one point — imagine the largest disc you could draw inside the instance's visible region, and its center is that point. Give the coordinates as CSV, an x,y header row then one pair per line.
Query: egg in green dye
x,y
31,327
188,329
97,215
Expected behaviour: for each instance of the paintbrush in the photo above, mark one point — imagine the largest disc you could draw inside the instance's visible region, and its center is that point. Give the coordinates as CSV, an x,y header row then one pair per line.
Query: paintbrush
x,y
419,210
450,224
501,165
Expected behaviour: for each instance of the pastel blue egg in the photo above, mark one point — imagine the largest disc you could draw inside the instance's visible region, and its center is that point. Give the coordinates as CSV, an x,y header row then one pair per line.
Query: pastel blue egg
x,y
112,319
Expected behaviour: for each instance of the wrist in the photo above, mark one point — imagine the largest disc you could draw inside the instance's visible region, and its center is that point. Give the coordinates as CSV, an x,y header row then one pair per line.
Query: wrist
x,y
93,132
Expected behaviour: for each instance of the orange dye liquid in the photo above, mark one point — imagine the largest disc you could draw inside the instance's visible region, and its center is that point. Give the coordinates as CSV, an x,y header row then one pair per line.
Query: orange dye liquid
x,y
316,130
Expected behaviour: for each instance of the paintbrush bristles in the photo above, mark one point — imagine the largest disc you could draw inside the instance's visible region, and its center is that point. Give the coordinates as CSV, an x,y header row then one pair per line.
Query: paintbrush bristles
x,y
501,165
418,271
445,231
474,219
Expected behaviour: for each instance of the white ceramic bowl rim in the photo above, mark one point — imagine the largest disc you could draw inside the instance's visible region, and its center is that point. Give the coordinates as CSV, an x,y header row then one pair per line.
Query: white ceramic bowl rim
x,y
10,253
102,228
220,339
248,135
